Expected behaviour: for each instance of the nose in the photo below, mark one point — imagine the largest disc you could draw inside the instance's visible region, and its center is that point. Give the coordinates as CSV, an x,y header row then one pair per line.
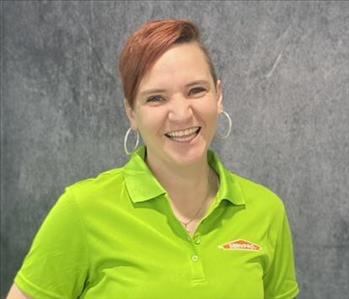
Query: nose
x,y
180,110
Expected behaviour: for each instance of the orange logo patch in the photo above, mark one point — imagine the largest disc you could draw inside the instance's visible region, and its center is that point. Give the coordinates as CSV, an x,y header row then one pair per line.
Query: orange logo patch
x,y
240,245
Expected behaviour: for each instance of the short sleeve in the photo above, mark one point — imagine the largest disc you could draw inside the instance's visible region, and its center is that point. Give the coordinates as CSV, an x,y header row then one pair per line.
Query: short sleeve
x,y
280,280
57,263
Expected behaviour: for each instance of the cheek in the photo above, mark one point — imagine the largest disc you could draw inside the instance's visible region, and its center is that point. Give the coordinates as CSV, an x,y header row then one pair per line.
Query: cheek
x,y
209,113
150,121
211,119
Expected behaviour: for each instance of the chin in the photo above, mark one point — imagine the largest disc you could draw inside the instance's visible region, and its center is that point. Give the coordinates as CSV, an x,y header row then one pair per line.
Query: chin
x,y
188,157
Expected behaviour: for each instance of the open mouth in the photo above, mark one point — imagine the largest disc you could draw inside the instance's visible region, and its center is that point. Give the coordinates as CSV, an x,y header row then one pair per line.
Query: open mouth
x,y
186,135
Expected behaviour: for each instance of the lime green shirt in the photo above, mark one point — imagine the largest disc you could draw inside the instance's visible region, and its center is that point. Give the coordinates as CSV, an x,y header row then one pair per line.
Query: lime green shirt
x,y
116,237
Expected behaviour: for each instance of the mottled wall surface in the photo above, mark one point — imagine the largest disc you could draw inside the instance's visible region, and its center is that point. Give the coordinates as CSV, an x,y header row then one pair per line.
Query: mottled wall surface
x,y
285,73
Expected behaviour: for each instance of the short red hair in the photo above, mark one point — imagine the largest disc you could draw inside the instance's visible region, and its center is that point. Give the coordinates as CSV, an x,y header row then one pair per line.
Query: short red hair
x,y
147,44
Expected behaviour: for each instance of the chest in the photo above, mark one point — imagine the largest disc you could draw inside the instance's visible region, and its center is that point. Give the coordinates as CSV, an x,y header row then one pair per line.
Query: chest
x,y
154,257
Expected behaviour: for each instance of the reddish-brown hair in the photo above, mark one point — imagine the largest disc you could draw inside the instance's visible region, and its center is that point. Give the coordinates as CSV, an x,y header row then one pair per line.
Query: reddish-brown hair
x,y
147,44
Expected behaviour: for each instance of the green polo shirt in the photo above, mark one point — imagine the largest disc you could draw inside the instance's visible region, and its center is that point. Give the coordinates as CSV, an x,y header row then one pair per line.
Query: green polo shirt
x,y
116,237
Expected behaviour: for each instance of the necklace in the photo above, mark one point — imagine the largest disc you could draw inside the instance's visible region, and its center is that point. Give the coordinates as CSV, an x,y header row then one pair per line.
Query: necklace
x,y
186,223
192,219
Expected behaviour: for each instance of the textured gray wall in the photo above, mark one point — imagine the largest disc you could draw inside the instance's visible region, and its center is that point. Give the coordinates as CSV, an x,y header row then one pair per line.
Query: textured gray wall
x,y
285,72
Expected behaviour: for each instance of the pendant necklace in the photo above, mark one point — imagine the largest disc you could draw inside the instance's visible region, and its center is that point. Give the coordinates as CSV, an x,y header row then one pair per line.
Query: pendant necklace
x,y
192,219
186,223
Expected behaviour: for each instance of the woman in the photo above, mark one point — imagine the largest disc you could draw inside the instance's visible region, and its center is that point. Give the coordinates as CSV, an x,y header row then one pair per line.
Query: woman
x,y
173,222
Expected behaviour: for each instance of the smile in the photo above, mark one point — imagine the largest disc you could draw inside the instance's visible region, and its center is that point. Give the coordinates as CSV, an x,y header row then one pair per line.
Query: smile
x,y
184,135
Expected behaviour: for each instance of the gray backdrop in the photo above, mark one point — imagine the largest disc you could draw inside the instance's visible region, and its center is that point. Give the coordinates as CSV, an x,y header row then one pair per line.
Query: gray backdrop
x,y
285,73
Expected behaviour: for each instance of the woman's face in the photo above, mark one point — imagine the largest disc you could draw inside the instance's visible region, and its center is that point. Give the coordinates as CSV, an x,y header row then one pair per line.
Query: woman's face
x,y
176,107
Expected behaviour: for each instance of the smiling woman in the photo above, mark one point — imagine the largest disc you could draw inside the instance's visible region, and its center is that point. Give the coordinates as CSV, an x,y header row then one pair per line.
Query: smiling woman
x,y
176,110
173,222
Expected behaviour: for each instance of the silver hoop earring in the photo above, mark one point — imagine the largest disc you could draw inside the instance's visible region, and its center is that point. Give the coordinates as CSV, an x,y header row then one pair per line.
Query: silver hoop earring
x,y
229,126
126,139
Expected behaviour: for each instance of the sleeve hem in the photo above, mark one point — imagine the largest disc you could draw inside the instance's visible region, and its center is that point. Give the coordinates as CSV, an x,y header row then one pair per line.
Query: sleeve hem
x,y
292,293
32,290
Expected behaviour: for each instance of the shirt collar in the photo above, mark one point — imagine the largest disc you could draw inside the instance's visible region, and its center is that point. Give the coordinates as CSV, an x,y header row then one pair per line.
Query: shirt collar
x,y
140,181
142,185
229,188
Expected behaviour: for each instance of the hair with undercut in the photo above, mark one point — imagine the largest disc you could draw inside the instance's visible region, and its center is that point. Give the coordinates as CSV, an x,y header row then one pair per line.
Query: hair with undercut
x,y
147,44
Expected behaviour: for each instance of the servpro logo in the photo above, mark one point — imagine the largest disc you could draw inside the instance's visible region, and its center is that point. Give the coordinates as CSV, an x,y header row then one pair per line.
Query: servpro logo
x,y
240,245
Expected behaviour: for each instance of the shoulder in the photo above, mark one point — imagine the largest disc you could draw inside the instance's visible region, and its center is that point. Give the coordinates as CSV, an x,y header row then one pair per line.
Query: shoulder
x,y
96,188
259,196
263,208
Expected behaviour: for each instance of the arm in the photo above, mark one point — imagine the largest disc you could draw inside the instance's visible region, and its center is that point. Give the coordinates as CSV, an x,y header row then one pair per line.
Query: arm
x,y
280,279
16,293
51,269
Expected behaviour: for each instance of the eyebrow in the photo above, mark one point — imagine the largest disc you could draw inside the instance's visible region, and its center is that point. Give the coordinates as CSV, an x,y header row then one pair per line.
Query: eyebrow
x,y
151,91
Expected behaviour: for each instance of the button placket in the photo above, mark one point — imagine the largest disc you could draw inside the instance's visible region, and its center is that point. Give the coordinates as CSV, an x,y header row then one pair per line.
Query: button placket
x,y
195,242
195,260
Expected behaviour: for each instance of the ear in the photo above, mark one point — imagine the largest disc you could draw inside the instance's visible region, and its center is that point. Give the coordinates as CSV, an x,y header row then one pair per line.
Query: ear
x,y
219,93
130,114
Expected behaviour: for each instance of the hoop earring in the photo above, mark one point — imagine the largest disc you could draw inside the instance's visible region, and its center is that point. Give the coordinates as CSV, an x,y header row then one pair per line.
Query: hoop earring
x,y
125,141
229,126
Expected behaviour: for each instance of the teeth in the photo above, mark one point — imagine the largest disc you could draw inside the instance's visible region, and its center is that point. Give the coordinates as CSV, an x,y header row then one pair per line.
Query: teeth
x,y
183,133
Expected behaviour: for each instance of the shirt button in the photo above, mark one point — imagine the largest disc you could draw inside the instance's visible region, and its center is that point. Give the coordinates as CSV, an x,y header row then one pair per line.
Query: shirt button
x,y
197,241
194,258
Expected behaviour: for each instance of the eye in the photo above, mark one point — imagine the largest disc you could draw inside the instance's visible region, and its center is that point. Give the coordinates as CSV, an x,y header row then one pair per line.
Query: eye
x,y
154,99
197,91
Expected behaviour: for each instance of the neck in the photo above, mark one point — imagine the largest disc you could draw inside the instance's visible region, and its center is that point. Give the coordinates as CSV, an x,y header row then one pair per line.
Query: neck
x,y
188,186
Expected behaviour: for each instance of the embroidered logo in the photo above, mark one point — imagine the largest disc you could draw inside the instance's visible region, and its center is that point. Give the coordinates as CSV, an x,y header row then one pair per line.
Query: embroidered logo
x,y
240,245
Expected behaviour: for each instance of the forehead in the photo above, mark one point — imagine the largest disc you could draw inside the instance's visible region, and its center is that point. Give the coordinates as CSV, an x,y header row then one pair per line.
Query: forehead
x,y
179,65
